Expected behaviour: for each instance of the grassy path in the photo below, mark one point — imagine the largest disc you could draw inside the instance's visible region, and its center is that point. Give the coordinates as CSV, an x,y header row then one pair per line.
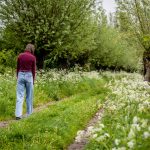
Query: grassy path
x,y
55,127
4,124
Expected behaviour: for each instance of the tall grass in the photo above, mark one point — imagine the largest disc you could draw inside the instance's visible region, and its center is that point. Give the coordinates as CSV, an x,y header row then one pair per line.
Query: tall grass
x,y
7,96
56,126
49,86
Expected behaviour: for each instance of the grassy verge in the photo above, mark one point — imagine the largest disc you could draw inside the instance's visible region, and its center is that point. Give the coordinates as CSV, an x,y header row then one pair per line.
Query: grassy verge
x,y
56,126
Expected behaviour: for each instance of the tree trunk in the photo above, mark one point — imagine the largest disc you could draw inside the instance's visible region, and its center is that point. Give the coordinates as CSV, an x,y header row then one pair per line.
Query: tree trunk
x,y
146,63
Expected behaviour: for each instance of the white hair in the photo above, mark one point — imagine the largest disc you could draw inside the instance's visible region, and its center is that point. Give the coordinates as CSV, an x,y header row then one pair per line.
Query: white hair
x,y
30,47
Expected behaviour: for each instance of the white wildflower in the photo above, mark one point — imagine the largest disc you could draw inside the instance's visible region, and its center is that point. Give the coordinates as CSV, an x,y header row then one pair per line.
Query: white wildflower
x,y
141,108
136,127
146,135
97,130
100,139
101,125
118,126
146,103
131,144
106,135
135,120
131,134
94,136
117,141
144,123
122,148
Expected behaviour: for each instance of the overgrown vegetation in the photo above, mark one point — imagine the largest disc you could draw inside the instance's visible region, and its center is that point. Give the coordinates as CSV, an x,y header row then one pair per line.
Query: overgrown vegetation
x,y
124,125
125,122
50,86
56,126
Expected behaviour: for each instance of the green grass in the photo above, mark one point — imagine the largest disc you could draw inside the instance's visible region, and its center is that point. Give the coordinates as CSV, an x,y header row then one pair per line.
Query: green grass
x,y
54,127
127,109
45,90
7,97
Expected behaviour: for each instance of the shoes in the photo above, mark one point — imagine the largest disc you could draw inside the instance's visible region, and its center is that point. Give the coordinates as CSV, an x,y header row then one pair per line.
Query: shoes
x,y
18,118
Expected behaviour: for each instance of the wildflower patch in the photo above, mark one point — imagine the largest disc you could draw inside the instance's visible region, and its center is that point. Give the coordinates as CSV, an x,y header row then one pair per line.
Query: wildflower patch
x,y
125,124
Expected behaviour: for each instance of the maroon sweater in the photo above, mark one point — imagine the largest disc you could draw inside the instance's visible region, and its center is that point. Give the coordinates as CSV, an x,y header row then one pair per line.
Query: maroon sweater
x,y
27,63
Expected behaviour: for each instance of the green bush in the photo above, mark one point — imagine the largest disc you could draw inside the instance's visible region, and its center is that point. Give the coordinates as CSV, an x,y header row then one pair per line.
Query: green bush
x,y
7,60
114,51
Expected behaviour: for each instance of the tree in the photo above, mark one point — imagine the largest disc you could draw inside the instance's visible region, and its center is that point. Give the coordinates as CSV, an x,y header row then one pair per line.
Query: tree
x,y
112,50
55,27
137,15
134,15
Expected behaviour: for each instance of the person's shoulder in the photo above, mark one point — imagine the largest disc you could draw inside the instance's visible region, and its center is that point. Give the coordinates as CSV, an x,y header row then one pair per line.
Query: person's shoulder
x,y
20,55
33,57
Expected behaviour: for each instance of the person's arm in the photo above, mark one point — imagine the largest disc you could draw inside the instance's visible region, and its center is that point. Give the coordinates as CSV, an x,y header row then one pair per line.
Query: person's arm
x,y
18,66
34,69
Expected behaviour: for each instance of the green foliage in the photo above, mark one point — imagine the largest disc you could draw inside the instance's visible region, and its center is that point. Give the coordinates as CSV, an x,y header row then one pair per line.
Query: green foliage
x,y
114,51
7,60
59,29
7,94
135,15
146,41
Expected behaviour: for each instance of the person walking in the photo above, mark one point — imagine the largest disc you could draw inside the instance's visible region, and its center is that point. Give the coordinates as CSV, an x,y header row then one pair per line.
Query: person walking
x,y
26,69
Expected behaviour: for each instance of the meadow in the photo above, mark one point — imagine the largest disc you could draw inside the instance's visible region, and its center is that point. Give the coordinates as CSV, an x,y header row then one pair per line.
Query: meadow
x,y
49,86
78,96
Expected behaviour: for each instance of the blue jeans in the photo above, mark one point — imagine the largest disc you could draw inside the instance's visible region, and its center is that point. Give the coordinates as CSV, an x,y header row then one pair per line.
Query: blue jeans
x,y
25,81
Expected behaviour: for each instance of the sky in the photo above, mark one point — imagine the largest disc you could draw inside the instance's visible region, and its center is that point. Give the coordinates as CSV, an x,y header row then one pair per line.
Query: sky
x,y
109,5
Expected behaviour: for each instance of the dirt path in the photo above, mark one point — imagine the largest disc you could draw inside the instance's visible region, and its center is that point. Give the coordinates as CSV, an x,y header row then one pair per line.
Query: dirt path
x,y
4,124
83,137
